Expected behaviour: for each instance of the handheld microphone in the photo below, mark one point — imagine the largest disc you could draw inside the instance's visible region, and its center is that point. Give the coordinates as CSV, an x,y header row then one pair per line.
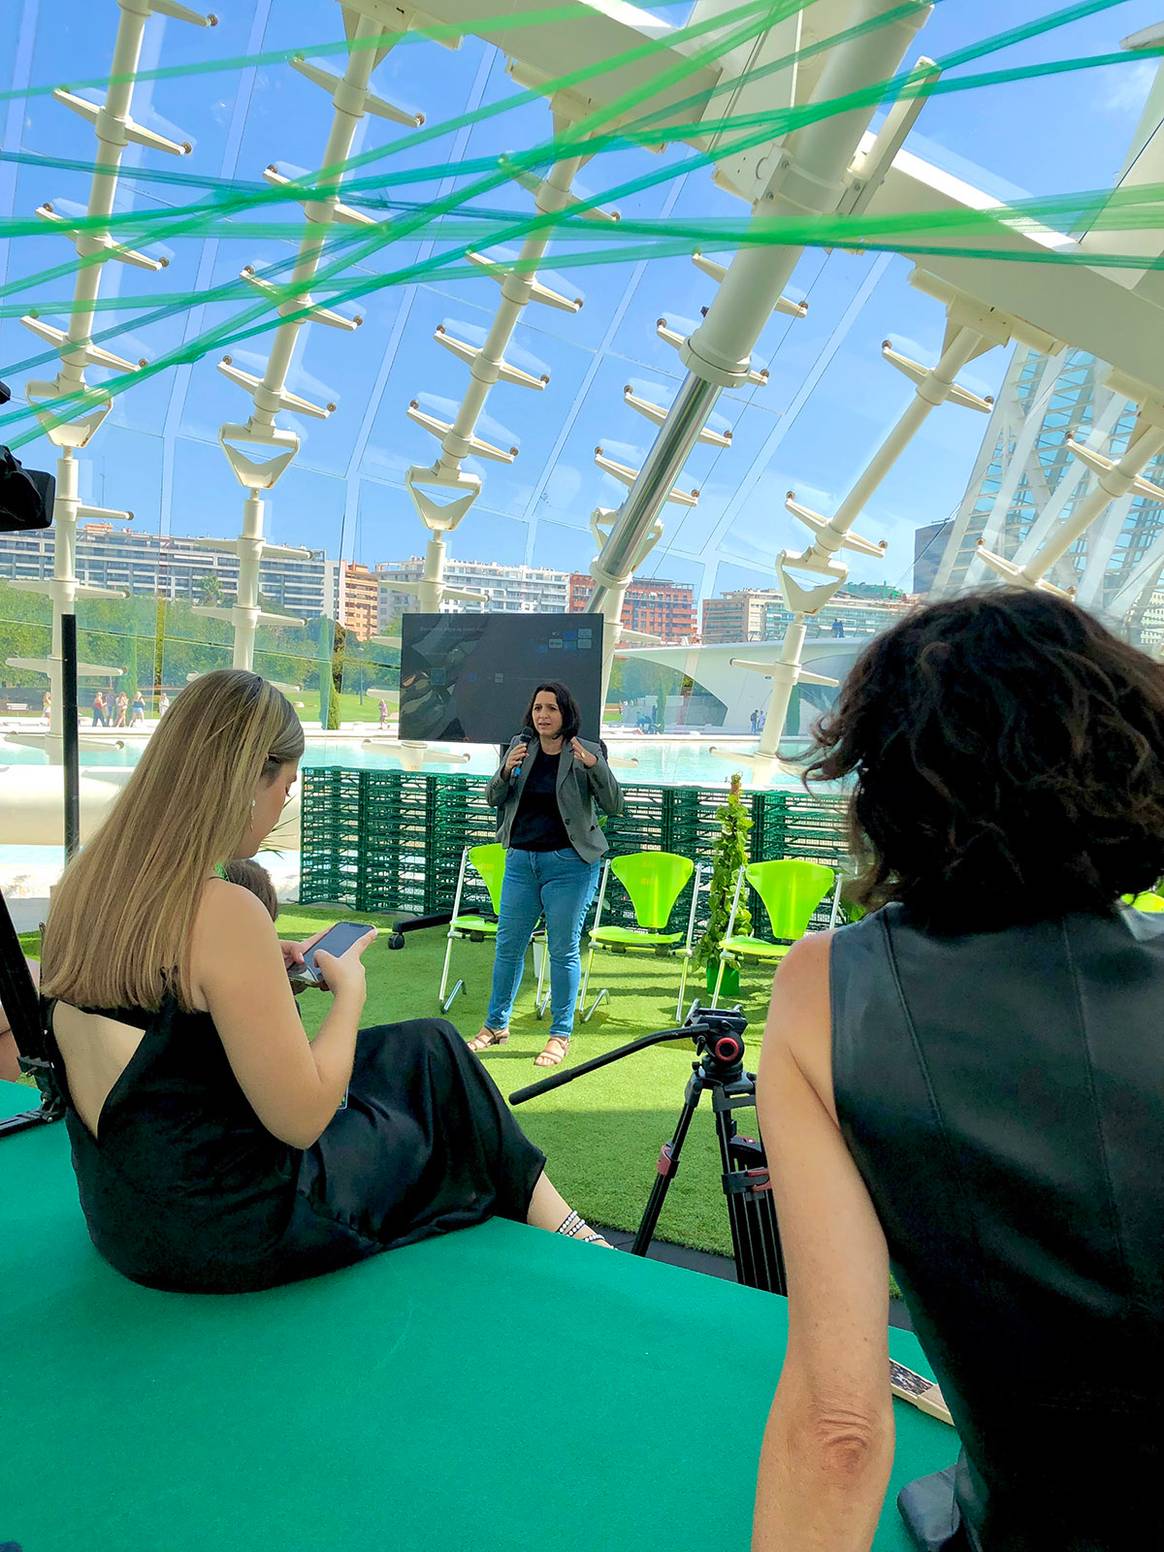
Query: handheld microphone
x,y
527,736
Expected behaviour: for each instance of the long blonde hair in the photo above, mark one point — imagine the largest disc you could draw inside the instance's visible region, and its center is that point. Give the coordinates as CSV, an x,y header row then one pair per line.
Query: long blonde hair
x,y
118,933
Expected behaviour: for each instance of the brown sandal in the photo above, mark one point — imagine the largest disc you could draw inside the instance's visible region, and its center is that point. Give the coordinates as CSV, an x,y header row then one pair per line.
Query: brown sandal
x,y
549,1058
486,1038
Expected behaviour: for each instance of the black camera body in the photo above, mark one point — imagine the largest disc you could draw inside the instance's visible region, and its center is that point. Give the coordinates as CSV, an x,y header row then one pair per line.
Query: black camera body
x,y
26,495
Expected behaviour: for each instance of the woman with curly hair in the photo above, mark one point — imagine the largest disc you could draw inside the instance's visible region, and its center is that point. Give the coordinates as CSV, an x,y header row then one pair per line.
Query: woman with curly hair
x,y
968,1085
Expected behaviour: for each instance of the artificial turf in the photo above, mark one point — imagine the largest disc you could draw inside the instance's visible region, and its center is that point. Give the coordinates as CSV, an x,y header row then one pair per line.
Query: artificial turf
x,y
602,1133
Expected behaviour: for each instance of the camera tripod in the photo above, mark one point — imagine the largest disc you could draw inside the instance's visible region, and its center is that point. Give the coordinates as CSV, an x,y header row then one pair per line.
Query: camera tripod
x,y
718,1069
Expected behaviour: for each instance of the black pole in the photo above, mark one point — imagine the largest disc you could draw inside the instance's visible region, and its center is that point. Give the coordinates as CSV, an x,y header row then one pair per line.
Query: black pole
x,y
70,741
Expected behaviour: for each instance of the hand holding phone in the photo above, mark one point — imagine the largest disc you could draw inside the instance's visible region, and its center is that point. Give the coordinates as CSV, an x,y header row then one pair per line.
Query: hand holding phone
x,y
333,961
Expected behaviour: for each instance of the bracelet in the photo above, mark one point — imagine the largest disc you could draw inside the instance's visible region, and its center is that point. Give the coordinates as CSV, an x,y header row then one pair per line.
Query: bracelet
x,y
569,1224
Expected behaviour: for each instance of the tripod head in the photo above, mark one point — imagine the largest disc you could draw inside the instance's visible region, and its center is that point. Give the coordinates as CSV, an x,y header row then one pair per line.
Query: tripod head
x,y
716,1032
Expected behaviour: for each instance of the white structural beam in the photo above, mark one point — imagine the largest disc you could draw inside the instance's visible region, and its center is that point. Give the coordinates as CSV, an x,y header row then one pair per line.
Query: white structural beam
x,y
811,578
806,175
444,491
258,450
114,128
1115,479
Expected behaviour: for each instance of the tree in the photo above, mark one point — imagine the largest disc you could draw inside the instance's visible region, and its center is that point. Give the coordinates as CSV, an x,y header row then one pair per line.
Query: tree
x,y
209,590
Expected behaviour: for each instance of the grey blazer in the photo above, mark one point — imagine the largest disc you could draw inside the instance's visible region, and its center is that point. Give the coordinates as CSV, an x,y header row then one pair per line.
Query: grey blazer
x,y
580,787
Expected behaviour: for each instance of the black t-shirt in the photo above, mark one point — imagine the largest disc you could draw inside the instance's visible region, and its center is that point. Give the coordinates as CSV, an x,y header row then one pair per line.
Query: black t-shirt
x,y
537,825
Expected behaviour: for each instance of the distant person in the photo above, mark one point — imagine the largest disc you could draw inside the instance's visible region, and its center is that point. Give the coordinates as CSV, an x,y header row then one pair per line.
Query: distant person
x,y
163,704
754,719
838,627
227,1160
252,875
137,710
547,794
122,710
382,707
968,1085
763,719
46,705
9,1055
100,712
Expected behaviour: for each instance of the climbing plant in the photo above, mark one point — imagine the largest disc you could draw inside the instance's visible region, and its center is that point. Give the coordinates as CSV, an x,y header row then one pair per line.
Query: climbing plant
x,y
729,855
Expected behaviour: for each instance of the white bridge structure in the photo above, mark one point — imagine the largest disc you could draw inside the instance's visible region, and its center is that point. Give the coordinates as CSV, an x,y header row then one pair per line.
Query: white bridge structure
x,y
829,165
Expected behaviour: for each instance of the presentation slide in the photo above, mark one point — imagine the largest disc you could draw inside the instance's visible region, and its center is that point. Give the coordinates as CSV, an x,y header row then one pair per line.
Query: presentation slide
x,y
468,678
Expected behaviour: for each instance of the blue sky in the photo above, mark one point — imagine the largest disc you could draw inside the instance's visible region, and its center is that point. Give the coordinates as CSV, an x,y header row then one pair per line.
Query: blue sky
x,y
828,403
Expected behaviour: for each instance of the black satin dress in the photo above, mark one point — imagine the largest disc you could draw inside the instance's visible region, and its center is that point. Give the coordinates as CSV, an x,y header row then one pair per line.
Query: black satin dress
x,y
185,1190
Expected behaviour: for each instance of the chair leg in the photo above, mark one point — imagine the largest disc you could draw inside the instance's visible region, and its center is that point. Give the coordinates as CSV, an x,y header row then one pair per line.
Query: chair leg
x,y
718,981
458,988
541,954
682,988
586,978
588,1013
445,969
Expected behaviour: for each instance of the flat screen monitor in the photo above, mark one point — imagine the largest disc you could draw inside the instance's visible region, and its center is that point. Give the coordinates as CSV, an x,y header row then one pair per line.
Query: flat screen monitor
x,y
468,678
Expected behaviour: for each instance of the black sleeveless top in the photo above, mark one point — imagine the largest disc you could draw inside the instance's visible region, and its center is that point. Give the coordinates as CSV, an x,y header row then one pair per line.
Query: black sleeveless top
x,y
1002,1094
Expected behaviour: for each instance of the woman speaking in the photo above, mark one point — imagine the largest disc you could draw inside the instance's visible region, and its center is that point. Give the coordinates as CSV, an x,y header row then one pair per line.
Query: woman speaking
x,y
545,794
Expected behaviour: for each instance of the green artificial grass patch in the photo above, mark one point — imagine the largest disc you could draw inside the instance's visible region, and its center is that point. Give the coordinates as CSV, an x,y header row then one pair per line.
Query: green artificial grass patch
x,y
601,1134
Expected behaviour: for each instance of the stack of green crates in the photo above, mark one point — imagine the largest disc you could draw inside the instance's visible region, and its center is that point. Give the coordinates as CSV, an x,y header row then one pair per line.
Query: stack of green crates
x,y
391,841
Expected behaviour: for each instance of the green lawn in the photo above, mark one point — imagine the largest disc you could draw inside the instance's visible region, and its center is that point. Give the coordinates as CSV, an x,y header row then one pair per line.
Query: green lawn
x,y
602,1134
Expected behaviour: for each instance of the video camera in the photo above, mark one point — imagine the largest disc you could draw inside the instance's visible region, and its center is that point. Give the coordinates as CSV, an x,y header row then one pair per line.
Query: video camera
x,y
26,495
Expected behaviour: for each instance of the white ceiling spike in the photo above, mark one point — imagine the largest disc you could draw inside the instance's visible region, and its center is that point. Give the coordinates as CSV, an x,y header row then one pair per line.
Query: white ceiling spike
x,y
674,338
118,131
656,413
627,476
182,13
92,242
537,291
318,314
916,373
85,350
505,373
473,444
533,181
265,399
370,103
346,214
717,271
1100,464
816,522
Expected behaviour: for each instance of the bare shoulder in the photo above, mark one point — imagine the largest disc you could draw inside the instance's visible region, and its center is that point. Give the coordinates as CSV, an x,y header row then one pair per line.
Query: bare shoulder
x,y
229,918
800,1017
230,905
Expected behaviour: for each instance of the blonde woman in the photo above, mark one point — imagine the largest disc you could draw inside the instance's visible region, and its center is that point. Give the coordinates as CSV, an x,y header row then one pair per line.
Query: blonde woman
x,y
215,1148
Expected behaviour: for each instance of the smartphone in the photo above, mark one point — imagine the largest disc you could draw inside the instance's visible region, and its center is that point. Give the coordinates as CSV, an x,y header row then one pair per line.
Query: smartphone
x,y
924,1394
336,940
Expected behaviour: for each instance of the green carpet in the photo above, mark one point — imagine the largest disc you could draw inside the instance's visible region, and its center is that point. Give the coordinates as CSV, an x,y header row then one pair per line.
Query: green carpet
x,y
601,1134
494,1390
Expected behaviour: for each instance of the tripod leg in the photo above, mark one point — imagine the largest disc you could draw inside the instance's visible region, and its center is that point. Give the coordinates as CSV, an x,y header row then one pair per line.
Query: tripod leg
x,y
667,1168
751,1210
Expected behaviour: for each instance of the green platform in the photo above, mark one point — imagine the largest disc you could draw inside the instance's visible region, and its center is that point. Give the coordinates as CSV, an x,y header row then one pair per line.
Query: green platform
x,y
495,1390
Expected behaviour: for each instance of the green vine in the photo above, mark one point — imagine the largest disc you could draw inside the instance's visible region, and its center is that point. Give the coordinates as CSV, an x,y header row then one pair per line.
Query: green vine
x,y
729,856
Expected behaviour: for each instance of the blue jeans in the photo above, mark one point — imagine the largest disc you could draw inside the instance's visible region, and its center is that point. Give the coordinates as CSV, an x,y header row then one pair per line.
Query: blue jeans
x,y
559,886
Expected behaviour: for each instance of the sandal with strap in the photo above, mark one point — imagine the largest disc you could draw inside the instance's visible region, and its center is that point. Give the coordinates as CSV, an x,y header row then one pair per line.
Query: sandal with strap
x,y
486,1038
552,1058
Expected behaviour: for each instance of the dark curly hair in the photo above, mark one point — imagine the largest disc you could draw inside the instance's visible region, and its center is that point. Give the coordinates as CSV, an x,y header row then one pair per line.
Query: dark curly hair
x,y
567,705
1009,761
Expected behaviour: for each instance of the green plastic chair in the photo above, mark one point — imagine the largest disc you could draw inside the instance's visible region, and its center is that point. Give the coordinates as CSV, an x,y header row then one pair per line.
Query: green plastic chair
x,y
791,890
489,863
654,880
1148,901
